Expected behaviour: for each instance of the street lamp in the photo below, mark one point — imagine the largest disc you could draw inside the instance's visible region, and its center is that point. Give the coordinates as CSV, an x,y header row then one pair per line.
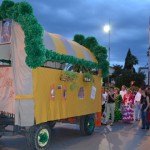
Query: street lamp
x,y
107,30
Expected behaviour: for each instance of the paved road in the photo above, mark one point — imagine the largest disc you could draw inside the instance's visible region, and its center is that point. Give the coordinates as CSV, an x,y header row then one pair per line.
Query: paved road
x,y
67,137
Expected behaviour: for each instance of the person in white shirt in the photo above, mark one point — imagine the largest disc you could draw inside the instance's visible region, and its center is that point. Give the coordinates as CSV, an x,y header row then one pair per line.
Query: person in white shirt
x,y
104,95
104,100
137,105
123,91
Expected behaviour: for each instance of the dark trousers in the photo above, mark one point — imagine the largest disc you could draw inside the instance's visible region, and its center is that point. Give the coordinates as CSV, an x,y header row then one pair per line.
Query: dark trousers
x,y
145,122
103,108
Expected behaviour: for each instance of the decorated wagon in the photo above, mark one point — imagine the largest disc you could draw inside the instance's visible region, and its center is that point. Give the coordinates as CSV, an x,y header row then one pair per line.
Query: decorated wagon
x,y
44,78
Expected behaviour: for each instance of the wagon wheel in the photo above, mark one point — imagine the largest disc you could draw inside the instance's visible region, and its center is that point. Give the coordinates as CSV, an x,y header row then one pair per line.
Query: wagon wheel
x,y
87,124
38,137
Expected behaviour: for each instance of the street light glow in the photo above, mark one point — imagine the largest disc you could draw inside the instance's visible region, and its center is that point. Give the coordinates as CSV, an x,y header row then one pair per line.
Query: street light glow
x,y
107,28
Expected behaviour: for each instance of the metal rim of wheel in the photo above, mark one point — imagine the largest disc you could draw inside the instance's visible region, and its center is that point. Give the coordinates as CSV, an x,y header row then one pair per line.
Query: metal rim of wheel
x,y
90,124
43,137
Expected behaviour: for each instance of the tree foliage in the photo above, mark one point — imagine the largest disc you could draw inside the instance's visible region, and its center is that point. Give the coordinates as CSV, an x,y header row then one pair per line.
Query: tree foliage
x,y
124,76
118,70
130,61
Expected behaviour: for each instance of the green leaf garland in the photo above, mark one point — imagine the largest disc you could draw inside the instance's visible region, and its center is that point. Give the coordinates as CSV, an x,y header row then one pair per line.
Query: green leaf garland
x,y
100,52
37,54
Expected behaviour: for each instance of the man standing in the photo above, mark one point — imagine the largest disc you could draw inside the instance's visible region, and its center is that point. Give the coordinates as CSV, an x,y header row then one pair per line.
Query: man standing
x,y
104,95
137,105
110,105
123,91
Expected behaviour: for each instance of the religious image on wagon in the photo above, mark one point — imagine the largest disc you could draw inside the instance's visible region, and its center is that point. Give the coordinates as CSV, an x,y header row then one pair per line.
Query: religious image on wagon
x,y
5,31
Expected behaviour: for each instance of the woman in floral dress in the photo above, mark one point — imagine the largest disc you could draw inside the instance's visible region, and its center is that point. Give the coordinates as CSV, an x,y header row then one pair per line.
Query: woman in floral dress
x,y
118,102
128,101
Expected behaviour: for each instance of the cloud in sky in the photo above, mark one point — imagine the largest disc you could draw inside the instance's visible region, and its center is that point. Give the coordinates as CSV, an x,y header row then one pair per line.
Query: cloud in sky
x,y
128,20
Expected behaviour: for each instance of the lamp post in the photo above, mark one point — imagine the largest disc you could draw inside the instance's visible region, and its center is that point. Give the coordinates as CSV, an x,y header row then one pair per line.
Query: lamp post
x,y
107,30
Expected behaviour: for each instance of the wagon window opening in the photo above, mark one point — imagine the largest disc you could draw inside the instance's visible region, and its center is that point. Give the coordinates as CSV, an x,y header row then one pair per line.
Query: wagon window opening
x,y
54,65
80,69
76,68
5,63
5,55
5,41
69,67
94,71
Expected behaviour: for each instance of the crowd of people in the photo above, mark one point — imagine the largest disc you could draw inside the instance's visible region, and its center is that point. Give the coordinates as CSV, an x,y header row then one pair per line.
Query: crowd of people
x,y
126,105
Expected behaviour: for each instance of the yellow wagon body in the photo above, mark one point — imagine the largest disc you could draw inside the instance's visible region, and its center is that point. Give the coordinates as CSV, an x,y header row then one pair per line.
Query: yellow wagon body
x,y
58,107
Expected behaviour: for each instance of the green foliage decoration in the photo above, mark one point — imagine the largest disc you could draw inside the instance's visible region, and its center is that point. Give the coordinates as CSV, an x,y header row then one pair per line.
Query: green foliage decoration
x,y
50,55
37,54
99,51
90,42
22,13
80,38
6,8
88,77
70,76
24,8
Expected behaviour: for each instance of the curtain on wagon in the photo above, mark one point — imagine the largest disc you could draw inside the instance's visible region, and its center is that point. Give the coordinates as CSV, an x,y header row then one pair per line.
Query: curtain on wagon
x,y
24,115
